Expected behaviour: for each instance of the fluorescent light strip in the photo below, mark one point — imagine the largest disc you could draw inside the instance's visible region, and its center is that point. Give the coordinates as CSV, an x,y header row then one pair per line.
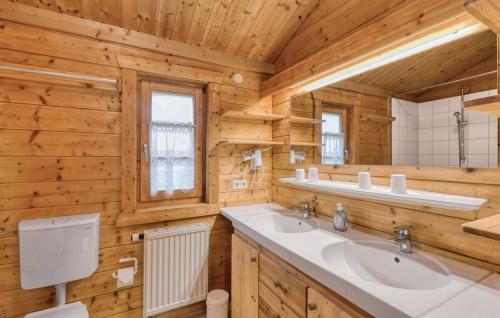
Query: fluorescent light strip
x,y
408,50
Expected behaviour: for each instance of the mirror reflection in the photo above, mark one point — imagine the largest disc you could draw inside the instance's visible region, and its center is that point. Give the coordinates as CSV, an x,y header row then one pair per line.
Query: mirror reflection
x,y
410,112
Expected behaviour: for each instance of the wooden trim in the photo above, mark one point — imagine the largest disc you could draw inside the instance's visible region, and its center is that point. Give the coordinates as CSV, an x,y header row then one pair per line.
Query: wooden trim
x,y
305,120
486,11
399,27
342,110
163,214
129,141
46,19
488,227
305,144
251,115
146,88
213,136
487,105
232,141
164,68
376,118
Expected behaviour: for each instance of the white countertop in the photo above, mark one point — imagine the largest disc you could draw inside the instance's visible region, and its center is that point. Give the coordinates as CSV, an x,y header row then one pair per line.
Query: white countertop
x,y
303,250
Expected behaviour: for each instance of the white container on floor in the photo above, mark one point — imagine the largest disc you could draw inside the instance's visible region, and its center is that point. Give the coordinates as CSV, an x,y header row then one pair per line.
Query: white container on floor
x,y
217,301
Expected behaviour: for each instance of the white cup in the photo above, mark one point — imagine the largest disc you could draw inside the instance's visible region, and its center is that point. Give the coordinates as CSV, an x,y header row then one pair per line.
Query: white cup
x,y
398,183
313,175
364,180
300,175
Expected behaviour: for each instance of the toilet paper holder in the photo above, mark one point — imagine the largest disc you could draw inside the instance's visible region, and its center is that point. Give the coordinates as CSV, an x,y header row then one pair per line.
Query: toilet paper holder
x,y
125,260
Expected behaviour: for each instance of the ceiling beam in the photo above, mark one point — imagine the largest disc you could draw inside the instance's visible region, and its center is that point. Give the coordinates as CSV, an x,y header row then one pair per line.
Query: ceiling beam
x,y
28,15
486,11
404,24
480,77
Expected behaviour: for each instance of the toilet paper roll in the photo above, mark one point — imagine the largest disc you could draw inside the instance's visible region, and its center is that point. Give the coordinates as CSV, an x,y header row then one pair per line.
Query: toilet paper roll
x,y
125,277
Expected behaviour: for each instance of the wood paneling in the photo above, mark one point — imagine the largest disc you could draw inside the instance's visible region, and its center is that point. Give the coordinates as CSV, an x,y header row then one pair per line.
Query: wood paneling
x,y
486,11
439,65
408,22
256,29
245,279
63,152
329,21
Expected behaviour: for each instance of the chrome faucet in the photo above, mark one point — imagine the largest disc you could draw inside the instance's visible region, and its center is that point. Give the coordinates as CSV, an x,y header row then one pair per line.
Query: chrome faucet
x,y
403,237
305,210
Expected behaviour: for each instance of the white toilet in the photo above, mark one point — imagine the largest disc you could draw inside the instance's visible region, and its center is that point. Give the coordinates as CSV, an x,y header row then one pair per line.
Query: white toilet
x,y
55,251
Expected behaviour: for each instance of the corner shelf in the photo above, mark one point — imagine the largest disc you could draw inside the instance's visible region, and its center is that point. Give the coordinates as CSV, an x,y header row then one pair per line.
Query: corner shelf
x,y
488,227
383,193
304,120
487,105
250,142
305,144
250,115
376,118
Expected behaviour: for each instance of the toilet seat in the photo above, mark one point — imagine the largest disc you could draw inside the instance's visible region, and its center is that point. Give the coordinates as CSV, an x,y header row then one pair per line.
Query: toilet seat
x,y
73,310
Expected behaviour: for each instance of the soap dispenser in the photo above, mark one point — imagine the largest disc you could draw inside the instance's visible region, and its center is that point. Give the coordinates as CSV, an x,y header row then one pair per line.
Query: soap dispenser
x,y
340,218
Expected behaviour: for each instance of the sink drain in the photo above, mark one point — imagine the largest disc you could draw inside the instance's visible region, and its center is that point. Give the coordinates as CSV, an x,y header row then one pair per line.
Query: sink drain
x,y
396,259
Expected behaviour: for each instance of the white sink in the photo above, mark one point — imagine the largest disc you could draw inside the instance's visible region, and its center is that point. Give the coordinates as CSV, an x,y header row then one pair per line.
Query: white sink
x,y
284,223
382,263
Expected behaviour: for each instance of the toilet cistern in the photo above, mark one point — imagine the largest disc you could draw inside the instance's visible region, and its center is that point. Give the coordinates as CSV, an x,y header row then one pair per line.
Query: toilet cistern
x,y
55,251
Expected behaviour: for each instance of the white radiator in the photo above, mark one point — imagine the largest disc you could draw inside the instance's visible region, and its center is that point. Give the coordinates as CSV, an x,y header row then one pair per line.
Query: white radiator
x,y
175,267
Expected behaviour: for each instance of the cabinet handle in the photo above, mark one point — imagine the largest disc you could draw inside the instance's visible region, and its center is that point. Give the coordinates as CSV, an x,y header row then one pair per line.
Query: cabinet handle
x,y
253,259
277,284
312,306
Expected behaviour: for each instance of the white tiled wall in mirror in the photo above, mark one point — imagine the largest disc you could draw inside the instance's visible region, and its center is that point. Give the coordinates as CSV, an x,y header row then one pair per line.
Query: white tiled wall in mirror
x,y
426,134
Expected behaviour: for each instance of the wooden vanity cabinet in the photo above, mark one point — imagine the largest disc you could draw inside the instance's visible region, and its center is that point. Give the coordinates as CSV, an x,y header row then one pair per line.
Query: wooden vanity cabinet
x,y
319,306
265,286
244,278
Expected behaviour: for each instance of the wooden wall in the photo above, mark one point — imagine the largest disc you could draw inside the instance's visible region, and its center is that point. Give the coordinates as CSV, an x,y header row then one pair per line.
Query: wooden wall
x,y
60,154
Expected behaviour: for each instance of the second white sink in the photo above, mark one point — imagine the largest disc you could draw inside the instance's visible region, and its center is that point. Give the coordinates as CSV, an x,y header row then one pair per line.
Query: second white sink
x,y
382,263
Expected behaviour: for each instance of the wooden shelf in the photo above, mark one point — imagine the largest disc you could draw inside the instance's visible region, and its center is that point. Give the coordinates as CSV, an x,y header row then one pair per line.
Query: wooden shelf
x,y
488,227
250,115
250,142
305,120
305,144
487,105
377,118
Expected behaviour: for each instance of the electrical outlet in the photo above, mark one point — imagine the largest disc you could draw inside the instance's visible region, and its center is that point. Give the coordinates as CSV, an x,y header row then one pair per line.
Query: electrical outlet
x,y
240,184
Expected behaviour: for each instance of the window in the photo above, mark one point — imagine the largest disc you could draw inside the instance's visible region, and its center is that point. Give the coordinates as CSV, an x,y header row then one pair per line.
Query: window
x,y
171,140
332,135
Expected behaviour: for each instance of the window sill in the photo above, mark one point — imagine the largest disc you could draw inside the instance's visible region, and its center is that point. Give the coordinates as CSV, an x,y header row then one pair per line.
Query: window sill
x,y
162,214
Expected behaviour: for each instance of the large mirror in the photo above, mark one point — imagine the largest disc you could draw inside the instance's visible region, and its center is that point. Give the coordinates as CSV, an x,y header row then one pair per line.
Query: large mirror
x,y
409,112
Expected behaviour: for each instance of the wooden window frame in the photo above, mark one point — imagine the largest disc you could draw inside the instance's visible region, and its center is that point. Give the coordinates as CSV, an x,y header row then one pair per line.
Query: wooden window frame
x,y
196,195
343,112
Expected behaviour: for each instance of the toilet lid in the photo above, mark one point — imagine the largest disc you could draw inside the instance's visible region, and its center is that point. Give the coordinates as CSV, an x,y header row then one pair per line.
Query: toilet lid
x,y
73,310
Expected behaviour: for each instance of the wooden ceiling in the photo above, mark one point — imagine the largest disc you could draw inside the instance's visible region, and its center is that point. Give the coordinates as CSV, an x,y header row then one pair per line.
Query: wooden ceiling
x,y
257,29
435,66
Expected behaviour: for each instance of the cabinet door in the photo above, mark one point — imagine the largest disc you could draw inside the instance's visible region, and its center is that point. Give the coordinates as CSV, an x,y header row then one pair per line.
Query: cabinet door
x,y
244,279
320,307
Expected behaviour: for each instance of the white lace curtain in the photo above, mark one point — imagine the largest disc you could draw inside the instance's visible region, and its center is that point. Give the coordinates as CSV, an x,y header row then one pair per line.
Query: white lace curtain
x,y
172,156
333,148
